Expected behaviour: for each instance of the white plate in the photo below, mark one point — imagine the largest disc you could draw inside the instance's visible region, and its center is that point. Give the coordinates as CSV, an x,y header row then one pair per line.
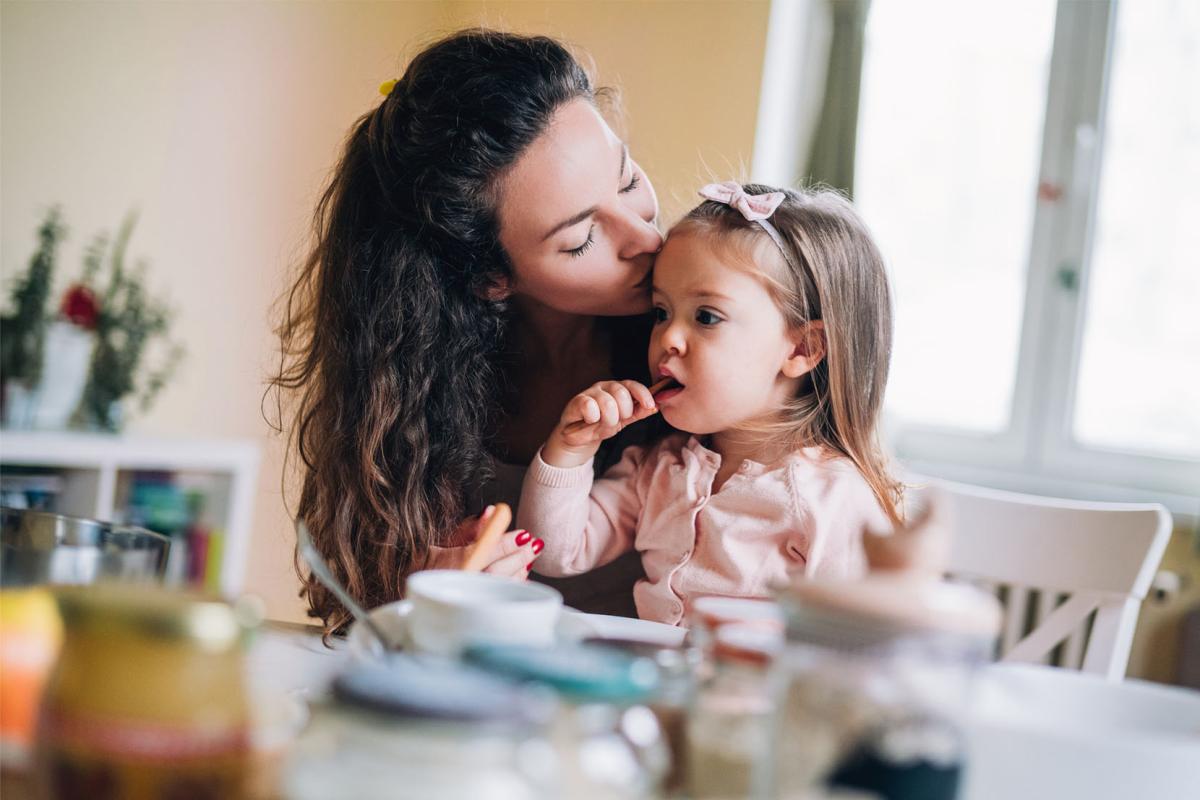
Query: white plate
x,y
572,626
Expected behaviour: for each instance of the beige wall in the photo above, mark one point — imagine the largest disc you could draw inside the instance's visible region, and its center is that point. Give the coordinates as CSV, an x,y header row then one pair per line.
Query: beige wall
x,y
220,121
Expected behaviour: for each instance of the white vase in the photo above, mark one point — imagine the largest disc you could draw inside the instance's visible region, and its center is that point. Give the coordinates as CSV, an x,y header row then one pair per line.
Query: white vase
x,y
66,355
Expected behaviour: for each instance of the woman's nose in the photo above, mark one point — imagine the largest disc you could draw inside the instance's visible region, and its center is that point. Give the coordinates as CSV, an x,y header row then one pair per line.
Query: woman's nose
x,y
639,236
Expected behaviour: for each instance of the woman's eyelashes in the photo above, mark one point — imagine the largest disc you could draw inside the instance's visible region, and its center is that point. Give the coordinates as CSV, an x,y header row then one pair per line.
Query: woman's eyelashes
x,y
575,252
634,183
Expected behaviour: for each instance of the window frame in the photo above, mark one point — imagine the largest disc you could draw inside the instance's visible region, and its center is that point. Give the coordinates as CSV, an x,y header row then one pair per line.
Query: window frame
x,y
1037,452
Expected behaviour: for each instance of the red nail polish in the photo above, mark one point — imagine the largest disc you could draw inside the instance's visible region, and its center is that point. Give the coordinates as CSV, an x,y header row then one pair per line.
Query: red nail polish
x,y
537,546
529,566
523,537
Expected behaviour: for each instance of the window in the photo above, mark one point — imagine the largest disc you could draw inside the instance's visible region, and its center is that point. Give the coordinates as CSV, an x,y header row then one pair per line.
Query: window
x,y
1032,172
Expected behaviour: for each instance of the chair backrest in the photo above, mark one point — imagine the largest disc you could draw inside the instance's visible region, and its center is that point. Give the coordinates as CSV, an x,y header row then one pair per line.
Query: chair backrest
x,y
1071,574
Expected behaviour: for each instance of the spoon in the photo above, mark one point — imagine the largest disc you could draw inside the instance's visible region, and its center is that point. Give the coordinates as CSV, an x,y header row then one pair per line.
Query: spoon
x,y
321,570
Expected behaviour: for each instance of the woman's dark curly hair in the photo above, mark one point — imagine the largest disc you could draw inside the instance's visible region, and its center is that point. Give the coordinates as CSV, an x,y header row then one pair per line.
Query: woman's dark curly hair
x,y
387,337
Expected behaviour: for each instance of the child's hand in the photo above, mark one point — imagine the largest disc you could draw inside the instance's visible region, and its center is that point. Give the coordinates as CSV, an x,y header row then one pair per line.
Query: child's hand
x,y
593,416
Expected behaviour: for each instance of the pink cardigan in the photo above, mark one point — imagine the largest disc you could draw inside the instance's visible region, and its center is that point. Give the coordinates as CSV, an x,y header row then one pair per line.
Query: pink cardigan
x,y
804,513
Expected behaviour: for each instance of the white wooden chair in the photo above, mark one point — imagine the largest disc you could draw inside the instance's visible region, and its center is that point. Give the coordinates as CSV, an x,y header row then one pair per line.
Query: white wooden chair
x,y
1068,572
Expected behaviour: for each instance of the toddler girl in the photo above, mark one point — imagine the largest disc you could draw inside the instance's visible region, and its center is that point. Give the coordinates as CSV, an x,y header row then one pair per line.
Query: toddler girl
x,y
773,330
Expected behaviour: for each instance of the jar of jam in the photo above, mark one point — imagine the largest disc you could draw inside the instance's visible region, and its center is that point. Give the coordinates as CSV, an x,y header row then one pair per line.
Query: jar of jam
x,y
416,727
147,698
874,681
607,743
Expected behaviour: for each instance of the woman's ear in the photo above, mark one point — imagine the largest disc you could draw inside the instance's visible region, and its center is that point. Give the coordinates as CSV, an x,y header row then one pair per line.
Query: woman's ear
x,y
808,348
496,289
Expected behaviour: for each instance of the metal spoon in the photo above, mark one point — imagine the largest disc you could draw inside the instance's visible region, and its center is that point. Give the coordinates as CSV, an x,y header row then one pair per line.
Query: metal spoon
x,y
321,570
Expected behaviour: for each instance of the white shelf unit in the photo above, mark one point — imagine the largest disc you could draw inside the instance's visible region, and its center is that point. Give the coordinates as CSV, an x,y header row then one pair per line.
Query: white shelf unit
x,y
97,470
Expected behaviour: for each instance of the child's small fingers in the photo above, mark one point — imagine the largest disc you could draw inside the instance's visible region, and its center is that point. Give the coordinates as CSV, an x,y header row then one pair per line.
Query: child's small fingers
x,y
610,414
624,399
642,393
587,409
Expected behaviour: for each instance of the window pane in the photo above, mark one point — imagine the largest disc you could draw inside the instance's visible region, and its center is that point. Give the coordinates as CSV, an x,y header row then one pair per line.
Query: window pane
x,y
950,137
1139,380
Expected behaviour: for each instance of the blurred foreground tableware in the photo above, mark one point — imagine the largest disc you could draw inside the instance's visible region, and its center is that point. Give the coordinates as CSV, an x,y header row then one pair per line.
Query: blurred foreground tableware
x,y
30,633
606,741
452,610
38,548
873,686
418,728
147,699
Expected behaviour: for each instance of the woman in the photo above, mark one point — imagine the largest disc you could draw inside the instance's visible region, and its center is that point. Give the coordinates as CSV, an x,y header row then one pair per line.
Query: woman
x,y
481,239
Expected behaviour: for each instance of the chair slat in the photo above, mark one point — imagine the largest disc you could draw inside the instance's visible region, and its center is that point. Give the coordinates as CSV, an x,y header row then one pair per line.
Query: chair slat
x,y
1052,629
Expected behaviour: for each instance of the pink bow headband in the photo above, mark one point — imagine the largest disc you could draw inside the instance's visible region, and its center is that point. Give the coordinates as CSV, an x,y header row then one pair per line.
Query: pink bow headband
x,y
754,207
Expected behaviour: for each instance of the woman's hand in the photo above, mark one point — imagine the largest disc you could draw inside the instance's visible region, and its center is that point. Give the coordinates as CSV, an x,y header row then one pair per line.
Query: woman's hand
x,y
594,415
511,556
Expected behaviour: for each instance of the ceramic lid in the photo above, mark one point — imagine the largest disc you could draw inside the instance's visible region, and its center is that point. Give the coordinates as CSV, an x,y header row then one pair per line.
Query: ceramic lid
x,y
415,688
579,672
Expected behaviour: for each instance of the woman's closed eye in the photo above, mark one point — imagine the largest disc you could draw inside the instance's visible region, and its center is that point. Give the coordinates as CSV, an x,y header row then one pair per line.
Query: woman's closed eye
x,y
575,252
634,182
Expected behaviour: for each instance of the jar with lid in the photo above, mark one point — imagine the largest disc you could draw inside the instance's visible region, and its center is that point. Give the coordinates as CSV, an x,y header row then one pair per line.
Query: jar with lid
x,y
607,742
422,727
730,720
147,697
874,680
671,701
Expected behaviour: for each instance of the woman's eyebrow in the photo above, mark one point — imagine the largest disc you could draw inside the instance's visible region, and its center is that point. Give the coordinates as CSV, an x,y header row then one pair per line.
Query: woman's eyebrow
x,y
587,212
566,223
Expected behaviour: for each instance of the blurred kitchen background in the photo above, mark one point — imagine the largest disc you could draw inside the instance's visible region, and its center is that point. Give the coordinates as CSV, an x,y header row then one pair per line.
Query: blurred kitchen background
x,y
1031,168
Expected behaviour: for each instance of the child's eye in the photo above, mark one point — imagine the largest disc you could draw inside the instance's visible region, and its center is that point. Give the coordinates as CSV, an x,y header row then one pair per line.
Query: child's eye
x,y
660,314
706,317
575,252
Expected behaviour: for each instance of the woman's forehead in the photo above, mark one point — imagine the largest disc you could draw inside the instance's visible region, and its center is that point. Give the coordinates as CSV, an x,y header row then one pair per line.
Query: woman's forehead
x,y
571,168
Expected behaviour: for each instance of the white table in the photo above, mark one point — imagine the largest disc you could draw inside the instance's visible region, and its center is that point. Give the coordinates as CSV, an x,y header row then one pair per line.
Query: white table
x,y
1035,732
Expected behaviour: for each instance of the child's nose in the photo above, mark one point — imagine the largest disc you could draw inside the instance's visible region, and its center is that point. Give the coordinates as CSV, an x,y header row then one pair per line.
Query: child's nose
x,y
673,340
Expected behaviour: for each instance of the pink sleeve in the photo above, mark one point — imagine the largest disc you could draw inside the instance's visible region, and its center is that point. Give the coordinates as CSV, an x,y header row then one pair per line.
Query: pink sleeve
x,y
584,523
833,508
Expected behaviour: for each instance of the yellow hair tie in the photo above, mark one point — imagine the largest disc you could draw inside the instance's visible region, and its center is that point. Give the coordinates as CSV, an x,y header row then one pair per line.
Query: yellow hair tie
x,y
386,87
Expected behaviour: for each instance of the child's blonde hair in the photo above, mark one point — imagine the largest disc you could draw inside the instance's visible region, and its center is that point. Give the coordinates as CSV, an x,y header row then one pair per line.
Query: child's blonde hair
x,y
833,273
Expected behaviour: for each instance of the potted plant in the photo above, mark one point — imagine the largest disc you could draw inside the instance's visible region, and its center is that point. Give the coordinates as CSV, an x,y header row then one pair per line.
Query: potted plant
x,y
22,331
129,322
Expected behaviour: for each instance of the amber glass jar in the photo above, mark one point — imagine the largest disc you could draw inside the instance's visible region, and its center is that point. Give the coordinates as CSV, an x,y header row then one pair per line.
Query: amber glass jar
x,y
147,699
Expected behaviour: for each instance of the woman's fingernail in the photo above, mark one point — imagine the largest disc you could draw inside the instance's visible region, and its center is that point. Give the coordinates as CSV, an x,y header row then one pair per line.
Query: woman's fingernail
x,y
523,537
529,566
538,544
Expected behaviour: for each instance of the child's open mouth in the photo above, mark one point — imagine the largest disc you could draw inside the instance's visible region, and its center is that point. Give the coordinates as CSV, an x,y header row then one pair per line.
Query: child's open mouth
x,y
670,388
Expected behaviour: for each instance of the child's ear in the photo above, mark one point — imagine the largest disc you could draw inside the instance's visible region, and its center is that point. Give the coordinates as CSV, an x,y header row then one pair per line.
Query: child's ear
x,y
808,348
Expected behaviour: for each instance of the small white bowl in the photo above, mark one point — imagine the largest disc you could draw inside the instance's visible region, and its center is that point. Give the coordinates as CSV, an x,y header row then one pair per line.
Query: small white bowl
x,y
452,609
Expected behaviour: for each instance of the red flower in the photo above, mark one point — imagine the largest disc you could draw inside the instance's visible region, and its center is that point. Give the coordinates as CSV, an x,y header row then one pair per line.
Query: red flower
x,y
79,305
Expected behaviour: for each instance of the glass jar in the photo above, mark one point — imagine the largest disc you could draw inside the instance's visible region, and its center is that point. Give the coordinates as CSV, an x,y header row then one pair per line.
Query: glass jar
x,y
421,727
671,701
729,724
607,742
872,686
147,697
